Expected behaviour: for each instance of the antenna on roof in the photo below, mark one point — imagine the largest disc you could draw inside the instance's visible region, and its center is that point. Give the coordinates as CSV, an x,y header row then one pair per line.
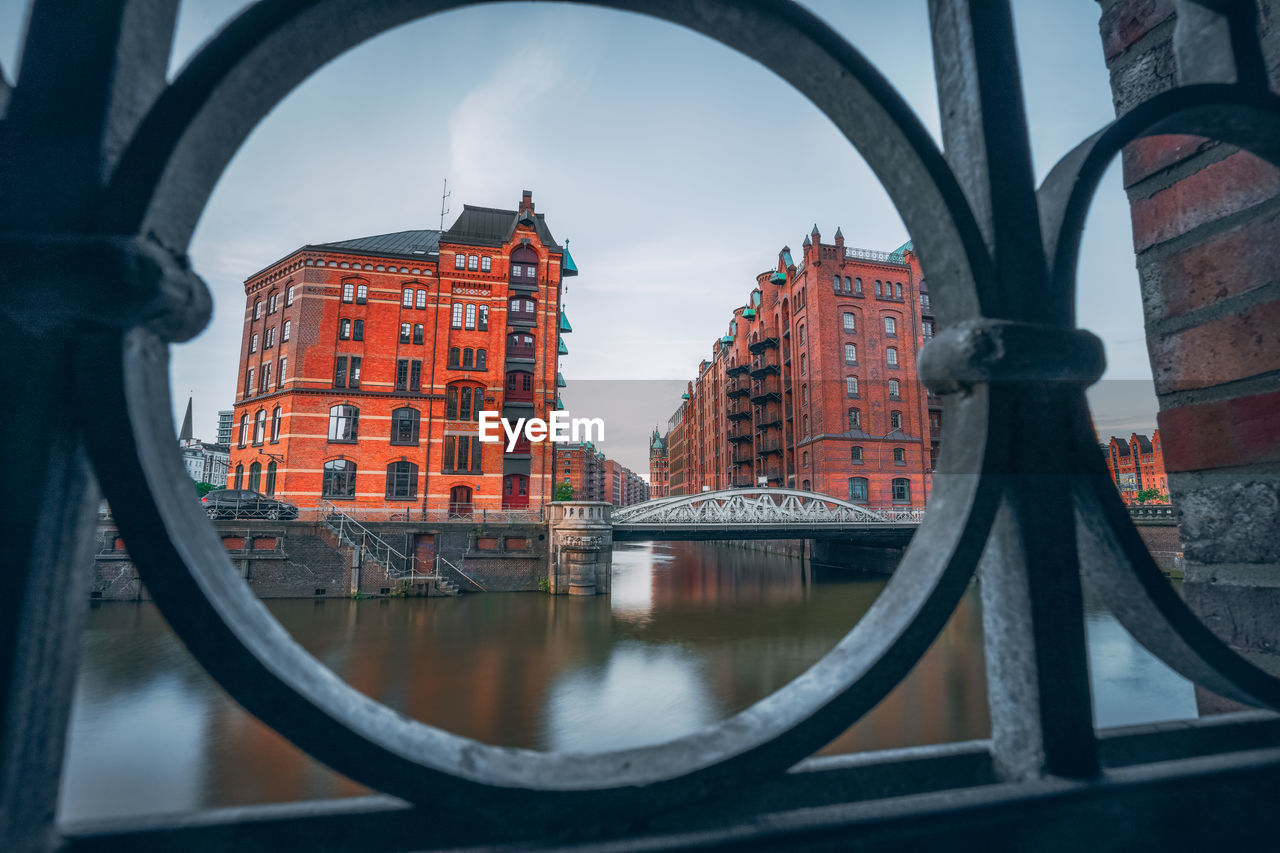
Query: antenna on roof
x,y
444,197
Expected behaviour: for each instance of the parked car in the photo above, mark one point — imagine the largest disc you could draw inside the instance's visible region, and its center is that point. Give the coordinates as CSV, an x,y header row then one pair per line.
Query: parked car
x,y
242,503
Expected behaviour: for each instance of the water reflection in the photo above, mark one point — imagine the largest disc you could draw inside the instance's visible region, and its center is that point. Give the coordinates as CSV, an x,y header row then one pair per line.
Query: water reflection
x,y
692,634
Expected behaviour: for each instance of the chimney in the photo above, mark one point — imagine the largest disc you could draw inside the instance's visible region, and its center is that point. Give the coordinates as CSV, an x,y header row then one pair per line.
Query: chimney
x,y
526,201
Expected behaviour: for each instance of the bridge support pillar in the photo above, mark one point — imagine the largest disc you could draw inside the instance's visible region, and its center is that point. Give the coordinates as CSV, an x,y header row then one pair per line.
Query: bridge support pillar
x,y
580,559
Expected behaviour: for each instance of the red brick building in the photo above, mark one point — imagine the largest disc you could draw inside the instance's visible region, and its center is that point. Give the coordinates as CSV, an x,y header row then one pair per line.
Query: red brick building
x,y
814,384
365,364
658,484
1137,464
582,467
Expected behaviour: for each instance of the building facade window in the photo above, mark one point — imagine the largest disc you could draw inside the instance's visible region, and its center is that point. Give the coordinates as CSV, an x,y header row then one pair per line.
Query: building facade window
x,y
890,326
405,329
284,332
422,299
284,366
855,419
850,354
471,318
455,356
804,364
344,329
348,292
897,289
402,481
257,310
402,374
255,477
851,386
362,294
406,299
357,330
405,423
894,390
899,456
849,323
344,424
270,490
275,424
800,334
473,263
486,264
418,333
895,420
891,356
259,426
239,481
415,375
270,339
459,262
244,430
804,457
248,385
858,490
253,342
457,315
483,322
288,296
339,480
804,425
901,490
924,301
855,454
857,286
273,303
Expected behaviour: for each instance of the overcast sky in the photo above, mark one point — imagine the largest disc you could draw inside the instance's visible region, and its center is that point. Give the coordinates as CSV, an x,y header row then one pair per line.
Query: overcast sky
x,y
676,167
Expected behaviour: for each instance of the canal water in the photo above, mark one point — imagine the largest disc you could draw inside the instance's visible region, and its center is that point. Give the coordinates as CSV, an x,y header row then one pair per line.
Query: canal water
x,y
692,634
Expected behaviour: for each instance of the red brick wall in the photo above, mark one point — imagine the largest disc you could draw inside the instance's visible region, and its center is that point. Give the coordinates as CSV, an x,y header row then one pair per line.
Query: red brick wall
x,y
1205,225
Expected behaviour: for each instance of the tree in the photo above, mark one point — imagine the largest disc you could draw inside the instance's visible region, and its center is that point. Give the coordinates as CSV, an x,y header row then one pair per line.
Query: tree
x,y
564,492
203,489
1153,495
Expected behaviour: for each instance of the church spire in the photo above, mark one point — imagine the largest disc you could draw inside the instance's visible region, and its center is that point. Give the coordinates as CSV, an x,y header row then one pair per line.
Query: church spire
x,y
185,433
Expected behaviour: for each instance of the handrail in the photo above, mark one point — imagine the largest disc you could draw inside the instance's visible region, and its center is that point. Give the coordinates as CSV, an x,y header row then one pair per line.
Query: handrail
x,y
440,560
369,543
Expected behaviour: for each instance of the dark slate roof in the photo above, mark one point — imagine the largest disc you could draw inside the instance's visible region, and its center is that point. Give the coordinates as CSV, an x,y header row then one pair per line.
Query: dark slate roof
x,y
1144,444
400,244
1122,447
489,226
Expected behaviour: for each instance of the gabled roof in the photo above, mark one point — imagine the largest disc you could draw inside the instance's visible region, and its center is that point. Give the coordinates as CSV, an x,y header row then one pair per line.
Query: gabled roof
x,y
402,244
490,226
1144,443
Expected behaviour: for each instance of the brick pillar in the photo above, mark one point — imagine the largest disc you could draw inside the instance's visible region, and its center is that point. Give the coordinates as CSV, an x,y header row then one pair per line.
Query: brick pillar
x,y
1206,226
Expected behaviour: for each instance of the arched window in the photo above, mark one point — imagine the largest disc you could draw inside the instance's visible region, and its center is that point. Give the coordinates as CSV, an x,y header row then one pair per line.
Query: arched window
x,y
339,479
855,454
850,354
270,490
422,299
522,309
455,356
404,426
255,476
519,386
239,481
402,481
473,262
486,264
891,356
849,325
804,395
348,292
288,300
879,289
890,326
406,299
344,423
801,334
460,501
857,286
463,402
804,457
515,491
524,266
804,364
275,424
895,420
362,294
244,431
520,345
894,389
468,357
851,386
901,490
848,285
284,333
855,420
897,289
418,333
858,490
899,456
837,282
259,426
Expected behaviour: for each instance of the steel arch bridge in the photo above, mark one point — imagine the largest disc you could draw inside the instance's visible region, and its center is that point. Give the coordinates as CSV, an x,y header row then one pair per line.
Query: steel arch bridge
x,y
758,513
